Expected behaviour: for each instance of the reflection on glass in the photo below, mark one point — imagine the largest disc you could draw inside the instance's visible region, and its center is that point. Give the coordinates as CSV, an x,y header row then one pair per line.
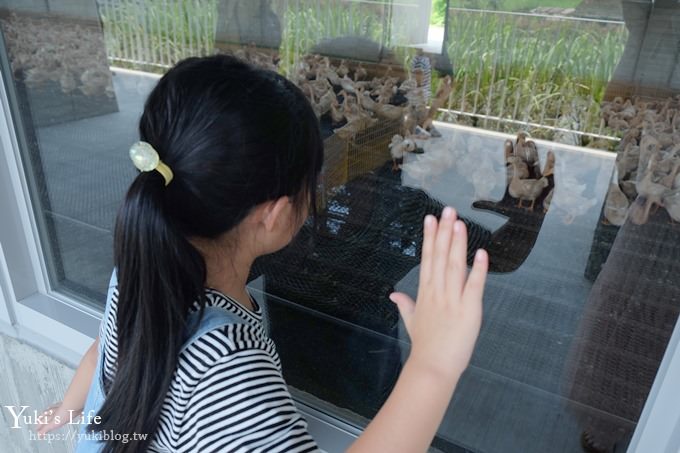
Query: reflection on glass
x,y
584,290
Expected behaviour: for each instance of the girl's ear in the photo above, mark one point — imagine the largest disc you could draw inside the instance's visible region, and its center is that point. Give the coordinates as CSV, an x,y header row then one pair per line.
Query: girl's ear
x,y
273,212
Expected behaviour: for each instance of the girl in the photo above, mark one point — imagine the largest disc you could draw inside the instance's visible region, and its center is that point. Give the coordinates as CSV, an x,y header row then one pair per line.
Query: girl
x,y
181,353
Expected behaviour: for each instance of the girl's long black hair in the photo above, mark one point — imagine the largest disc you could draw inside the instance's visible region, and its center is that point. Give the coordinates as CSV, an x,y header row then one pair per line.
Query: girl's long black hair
x,y
234,136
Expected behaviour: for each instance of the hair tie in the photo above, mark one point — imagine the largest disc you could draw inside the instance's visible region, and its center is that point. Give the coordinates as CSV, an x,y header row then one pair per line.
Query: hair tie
x,y
146,158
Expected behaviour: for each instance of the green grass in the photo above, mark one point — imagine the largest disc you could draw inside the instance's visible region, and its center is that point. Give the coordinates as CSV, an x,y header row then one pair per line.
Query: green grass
x,y
530,69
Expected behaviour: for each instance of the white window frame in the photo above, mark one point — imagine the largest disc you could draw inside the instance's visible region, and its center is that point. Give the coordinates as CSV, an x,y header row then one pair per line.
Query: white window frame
x,y
64,327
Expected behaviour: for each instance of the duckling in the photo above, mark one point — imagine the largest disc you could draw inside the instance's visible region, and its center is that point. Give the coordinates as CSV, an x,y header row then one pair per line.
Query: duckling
x,y
549,167
325,102
366,101
628,188
342,70
616,205
617,123
312,100
649,146
526,149
386,92
408,85
360,73
508,152
347,84
671,201
526,189
331,75
547,200
669,179
389,111
508,148
649,194
516,164
353,110
675,122
628,160
336,112
349,130
320,86
398,147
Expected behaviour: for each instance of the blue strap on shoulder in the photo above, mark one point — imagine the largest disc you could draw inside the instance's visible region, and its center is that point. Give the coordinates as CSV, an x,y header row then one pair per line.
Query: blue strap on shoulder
x,y
213,317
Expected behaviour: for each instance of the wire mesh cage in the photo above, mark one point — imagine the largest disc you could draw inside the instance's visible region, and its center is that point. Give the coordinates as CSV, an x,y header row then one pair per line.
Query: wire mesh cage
x,y
368,149
345,160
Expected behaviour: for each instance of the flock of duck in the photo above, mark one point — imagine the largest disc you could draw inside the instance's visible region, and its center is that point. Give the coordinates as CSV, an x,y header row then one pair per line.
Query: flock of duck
x,y
648,156
526,180
647,162
76,62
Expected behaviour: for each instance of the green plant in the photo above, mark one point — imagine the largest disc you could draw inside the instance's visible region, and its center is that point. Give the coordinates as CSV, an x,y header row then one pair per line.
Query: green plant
x,y
531,69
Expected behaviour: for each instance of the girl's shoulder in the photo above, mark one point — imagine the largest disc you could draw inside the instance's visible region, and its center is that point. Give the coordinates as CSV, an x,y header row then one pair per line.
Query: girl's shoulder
x,y
231,341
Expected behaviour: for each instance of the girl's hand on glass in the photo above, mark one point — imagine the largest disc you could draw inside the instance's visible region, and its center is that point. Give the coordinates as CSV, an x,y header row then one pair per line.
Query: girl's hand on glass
x,y
52,418
444,323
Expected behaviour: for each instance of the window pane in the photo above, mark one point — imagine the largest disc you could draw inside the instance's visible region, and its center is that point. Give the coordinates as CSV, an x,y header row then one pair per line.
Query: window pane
x,y
581,227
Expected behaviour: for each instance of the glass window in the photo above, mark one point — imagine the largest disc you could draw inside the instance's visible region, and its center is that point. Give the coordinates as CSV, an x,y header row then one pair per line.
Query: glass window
x,y
552,127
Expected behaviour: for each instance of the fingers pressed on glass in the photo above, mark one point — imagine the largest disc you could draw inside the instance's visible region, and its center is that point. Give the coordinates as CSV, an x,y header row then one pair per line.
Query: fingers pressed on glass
x,y
457,269
442,247
474,287
429,231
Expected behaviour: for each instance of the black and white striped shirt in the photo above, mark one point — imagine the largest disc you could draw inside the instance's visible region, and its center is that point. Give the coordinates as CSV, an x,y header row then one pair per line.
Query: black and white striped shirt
x,y
227,393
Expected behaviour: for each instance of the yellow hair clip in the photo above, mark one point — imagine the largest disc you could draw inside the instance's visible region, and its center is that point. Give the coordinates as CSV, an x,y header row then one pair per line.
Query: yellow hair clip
x,y
146,158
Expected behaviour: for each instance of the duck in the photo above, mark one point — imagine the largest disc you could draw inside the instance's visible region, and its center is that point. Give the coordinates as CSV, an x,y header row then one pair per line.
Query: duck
x,y
649,146
389,111
325,102
516,164
669,179
649,194
671,202
526,149
617,123
360,73
408,85
347,84
549,167
627,160
349,130
342,70
398,147
526,189
628,188
331,75
336,112
547,200
366,101
616,205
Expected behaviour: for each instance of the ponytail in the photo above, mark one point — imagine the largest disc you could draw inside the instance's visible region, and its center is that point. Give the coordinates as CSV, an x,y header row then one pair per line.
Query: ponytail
x,y
160,274
235,137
